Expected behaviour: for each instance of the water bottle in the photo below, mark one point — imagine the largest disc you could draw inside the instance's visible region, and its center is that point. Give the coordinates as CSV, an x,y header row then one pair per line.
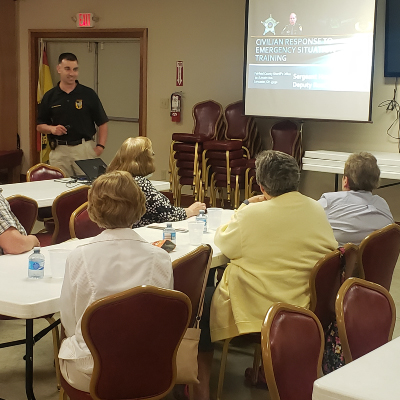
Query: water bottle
x,y
36,264
203,218
169,233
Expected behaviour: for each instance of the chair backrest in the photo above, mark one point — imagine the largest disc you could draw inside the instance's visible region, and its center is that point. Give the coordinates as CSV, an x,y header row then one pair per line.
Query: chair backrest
x,y
208,119
365,315
25,209
292,347
43,172
190,277
134,337
63,207
325,281
286,138
378,255
80,224
241,127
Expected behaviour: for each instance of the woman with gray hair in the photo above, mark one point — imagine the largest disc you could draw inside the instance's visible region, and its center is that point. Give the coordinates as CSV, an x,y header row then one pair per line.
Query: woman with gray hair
x,y
273,241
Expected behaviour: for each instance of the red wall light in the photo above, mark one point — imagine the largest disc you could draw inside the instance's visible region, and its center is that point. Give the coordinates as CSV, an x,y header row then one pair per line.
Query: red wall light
x,y
84,20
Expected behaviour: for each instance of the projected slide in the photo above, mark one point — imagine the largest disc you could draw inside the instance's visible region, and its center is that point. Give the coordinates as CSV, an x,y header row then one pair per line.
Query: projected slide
x,y
309,59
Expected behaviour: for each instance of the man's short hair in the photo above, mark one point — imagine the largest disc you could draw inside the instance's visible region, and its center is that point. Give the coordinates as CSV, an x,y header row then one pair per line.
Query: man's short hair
x,y
362,171
116,201
277,172
67,56
135,156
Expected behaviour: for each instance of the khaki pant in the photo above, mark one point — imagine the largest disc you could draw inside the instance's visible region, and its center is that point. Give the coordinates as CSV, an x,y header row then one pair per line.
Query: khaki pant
x,y
64,157
75,378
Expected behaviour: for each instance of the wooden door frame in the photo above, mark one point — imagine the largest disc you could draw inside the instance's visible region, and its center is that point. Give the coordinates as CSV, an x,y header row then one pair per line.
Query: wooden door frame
x,y
34,37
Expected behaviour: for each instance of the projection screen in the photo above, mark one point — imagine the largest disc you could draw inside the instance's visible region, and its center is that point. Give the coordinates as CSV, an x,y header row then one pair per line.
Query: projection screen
x,y
309,59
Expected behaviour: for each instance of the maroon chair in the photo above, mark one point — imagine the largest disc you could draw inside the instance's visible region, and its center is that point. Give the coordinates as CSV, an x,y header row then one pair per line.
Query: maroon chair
x,y
378,255
286,137
186,149
134,338
292,347
365,314
63,207
251,185
44,172
80,224
25,209
225,160
190,277
325,280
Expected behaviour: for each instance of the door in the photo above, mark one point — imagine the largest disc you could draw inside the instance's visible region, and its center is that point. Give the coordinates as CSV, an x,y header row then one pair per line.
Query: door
x,y
112,69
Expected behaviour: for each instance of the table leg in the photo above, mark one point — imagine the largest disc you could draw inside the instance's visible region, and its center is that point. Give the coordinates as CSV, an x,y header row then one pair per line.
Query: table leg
x,y
29,360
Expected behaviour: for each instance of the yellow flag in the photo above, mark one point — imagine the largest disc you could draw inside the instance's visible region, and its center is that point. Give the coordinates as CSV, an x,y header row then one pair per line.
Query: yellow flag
x,y
45,83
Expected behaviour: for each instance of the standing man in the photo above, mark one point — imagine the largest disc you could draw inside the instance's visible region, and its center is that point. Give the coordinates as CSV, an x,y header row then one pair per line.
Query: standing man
x,y
69,114
293,28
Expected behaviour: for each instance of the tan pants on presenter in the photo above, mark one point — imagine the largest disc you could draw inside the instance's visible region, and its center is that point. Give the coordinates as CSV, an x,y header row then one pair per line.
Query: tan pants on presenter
x,y
64,157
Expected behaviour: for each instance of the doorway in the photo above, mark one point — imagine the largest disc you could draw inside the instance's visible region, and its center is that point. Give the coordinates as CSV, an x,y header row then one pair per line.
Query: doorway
x,y
130,121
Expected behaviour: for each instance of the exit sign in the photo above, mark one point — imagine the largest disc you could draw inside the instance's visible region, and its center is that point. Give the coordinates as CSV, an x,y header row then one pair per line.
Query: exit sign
x,y
84,20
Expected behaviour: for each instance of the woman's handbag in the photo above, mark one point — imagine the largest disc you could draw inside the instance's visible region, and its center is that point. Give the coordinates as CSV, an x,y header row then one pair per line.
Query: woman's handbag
x,y
186,359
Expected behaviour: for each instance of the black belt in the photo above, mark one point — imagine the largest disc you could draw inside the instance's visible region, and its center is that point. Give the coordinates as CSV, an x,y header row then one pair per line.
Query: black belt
x,y
73,143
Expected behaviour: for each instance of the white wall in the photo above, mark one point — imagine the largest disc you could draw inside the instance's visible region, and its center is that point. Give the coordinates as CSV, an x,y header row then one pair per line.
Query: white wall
x,y
208,36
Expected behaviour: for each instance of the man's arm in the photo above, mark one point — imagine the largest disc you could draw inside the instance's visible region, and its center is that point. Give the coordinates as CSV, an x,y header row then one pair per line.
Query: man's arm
x,y
102,138
13,242
57,130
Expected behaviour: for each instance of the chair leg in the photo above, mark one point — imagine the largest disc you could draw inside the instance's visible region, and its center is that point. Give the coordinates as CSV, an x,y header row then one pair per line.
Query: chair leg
x,y
63,395
56,349
256,363
222,367
191,392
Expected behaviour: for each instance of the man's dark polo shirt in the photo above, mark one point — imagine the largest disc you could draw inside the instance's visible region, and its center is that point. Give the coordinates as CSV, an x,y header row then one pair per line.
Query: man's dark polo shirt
x,y
78,110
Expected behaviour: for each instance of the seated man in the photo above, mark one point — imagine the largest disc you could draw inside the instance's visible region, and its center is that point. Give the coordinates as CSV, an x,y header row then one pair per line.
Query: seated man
x,y
273,242
13,238
355,212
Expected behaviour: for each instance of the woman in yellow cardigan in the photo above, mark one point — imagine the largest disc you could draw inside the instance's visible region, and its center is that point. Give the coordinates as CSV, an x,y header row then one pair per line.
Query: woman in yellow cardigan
x,y
273,242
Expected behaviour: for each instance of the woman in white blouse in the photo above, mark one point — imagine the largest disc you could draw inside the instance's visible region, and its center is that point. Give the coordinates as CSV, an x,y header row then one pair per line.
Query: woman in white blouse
x,y
115,260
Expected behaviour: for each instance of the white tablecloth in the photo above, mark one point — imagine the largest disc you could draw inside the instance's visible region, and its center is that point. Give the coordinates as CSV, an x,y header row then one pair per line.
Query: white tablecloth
x,y
44,192
27,298
375,376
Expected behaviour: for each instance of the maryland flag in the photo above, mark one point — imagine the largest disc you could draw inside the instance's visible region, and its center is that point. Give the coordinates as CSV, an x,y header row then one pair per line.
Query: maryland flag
x,y
45,83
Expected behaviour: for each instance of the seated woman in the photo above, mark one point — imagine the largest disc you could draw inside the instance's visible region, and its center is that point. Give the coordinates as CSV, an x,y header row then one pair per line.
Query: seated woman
x,y
273,241
116,260
137,157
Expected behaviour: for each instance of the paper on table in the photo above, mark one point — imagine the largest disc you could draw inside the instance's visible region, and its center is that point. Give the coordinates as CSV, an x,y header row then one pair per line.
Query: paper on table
x,y
162,227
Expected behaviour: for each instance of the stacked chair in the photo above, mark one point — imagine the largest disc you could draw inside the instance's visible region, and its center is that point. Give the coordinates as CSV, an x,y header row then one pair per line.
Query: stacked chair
x,y
186,148
285,137
224,161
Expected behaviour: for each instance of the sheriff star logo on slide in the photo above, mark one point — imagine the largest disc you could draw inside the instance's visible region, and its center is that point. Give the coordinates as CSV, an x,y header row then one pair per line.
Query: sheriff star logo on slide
x,y
270,25
78,104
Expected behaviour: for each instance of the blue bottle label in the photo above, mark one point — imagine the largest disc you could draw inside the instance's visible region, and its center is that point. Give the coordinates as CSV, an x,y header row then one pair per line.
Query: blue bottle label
x,y
34,265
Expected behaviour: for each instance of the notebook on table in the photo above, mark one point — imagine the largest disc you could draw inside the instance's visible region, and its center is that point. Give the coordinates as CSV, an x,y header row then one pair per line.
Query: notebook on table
x,y
92,168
